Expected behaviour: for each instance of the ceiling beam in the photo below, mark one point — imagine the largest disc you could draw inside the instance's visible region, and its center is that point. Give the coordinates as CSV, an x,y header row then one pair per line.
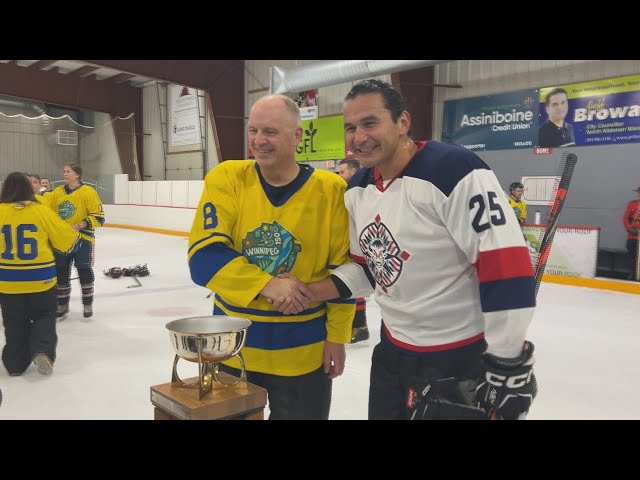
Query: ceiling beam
x,y
223,80
83,71
201,74
40,64
67,90
121,77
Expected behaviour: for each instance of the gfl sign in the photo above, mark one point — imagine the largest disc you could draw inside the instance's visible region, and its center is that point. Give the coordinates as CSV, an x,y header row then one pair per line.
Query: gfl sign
x,y
306,145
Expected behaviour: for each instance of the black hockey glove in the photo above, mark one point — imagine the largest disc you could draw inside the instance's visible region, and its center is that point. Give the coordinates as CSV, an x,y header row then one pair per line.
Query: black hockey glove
x,y
443,399
507,386
114,272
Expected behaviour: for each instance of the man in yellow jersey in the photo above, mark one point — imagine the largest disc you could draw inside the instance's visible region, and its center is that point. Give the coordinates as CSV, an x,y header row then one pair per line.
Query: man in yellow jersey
x,y
257,219
28,275
515,200
80,206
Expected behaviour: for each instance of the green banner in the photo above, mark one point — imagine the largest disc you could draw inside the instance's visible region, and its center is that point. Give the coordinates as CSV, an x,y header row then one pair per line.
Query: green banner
x,y
322,139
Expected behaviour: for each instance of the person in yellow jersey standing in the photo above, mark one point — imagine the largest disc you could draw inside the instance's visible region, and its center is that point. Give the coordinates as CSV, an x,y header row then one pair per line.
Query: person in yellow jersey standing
x,y
516,190
256,220
80,206
28,275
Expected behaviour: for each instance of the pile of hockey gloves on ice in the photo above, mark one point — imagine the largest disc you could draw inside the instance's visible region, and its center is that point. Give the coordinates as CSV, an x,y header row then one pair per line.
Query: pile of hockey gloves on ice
x,y
136,271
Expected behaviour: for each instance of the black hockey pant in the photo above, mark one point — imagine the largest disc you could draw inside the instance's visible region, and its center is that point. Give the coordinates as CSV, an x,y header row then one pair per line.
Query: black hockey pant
x,y
393,372
304,397
29,328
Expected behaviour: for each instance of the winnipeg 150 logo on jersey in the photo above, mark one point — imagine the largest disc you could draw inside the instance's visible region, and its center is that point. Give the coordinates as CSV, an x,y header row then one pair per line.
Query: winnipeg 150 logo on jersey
x,y
384,257
66,210
272,248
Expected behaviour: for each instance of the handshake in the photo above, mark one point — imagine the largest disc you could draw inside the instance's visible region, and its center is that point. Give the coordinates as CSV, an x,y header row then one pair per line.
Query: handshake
x,y
289,295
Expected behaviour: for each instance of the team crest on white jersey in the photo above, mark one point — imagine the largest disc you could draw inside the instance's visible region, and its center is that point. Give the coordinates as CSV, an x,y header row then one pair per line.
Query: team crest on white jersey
x,y
385,258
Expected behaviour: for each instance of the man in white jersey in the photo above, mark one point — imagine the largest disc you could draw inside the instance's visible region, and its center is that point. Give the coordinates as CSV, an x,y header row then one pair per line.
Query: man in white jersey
x,y
431,233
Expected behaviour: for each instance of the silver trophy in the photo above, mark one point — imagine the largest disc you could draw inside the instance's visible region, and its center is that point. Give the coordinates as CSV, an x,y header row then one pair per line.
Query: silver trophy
x,y
207,341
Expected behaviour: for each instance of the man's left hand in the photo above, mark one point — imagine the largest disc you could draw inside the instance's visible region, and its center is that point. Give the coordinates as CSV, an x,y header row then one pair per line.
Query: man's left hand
x,y
334,359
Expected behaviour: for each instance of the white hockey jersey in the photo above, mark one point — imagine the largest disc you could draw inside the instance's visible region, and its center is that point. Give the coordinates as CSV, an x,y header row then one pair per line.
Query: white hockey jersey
x,y
444,252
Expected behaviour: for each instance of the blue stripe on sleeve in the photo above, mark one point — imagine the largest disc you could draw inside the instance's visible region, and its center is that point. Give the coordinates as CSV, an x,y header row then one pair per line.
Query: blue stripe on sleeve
x,y
508,294
210,236
205,263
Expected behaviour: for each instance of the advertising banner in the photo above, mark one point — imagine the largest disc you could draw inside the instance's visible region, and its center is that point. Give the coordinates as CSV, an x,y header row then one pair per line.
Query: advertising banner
x,y
574,252
184,118
494,122
590,113
322,139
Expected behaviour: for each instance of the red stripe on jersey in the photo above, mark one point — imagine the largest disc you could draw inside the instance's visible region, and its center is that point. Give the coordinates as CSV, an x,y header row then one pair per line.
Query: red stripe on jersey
x,y
358,259
432,348
503,264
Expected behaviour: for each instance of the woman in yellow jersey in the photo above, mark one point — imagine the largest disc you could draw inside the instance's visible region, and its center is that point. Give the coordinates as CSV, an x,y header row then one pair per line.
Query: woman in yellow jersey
x,y
80,206
28,275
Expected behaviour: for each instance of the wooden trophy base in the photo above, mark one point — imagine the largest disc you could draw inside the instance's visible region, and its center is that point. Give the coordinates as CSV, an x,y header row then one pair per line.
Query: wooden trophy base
x,y
244,401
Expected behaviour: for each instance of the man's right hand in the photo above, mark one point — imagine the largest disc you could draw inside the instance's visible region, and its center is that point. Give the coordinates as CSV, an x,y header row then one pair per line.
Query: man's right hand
x,y
508,386
289,294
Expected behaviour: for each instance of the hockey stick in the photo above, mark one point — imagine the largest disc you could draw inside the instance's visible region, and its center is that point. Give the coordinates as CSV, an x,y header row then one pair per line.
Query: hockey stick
x,y
138,284
552,216
567,164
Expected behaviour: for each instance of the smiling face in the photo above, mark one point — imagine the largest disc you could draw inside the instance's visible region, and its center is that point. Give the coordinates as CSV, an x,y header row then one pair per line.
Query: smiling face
x,y
371,134
273,131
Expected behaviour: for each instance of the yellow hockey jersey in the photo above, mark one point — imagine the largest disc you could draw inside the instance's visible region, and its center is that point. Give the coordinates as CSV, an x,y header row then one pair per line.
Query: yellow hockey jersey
x,y
27,232
519,208
42,199
246,231
74,206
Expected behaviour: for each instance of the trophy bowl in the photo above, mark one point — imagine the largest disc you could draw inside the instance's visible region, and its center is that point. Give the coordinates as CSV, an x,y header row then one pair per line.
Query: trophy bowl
x,y
207,341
